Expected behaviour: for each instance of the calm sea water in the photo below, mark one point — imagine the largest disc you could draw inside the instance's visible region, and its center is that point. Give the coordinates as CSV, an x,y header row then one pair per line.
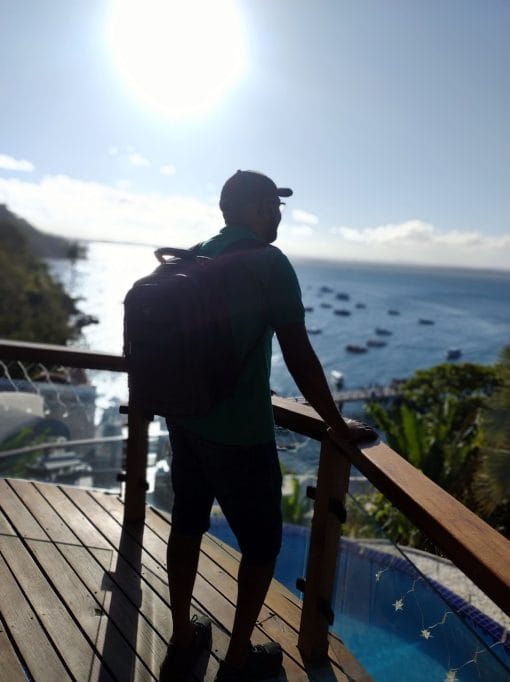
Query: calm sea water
x,y
470,310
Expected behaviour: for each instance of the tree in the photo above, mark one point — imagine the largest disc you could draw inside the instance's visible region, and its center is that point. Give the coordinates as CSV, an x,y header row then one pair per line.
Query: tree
x,y
492,481
437,426
33,306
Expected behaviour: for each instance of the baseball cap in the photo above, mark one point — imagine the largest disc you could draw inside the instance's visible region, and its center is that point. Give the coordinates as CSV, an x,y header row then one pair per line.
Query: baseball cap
x,y
247,186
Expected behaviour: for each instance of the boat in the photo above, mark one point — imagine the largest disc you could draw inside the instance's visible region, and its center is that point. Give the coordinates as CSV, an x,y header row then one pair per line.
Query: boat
x,y
380,331
314,330
325,289
342,296
308,308
354,348
392,311
338,378
342,311
453,353
325,305
376,343
361,305
424,320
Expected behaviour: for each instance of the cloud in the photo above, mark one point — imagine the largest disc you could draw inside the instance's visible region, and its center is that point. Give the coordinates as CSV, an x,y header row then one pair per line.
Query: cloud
x,y
414,232
304,217
302,230
167,169
419,241
129,154
10,163
91,210
136,159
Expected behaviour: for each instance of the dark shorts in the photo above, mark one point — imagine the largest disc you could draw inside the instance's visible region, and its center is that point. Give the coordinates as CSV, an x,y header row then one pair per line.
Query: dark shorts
x,y
245,480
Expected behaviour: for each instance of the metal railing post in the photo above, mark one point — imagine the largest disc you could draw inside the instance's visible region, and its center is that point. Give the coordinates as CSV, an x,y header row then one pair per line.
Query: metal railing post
x,y
136,466
329,514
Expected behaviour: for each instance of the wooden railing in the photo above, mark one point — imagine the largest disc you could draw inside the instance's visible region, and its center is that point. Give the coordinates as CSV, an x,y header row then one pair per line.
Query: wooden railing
x,y
476,548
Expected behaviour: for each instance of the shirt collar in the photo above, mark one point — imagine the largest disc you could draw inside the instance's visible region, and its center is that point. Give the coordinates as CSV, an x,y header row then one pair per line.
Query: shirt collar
x,y
238,231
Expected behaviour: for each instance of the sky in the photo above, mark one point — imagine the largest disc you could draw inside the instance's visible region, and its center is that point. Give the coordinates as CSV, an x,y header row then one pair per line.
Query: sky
x,y
390,119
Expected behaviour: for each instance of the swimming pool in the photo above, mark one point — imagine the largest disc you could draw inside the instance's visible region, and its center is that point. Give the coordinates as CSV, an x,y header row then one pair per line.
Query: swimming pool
x,y
399,625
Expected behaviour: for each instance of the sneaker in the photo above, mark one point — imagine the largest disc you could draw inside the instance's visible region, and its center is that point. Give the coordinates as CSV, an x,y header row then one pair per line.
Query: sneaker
x,y
179,661
264,662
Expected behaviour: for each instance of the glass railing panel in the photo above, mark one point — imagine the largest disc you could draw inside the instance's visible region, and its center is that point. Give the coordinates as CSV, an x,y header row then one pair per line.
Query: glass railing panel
x,y
299,457
61,425
395,618
299,461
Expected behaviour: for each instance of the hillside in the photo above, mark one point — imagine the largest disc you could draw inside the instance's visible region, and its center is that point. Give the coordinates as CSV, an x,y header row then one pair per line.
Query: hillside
x,y
33,306
41,244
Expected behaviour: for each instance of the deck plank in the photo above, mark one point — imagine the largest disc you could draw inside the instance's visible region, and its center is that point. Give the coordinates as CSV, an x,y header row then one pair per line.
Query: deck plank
x,y
125,595
66,637
91,593
27,526
90,605
155,606
210,596
88,601
45,516
216,591
31,639
12,668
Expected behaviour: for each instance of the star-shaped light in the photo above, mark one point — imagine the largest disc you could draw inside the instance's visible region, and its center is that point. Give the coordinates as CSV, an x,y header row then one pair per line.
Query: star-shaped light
x,y
378,576
426,634
451,676
475,655
399,605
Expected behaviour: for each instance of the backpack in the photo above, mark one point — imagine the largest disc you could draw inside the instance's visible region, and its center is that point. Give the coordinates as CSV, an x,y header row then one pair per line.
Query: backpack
x,y
178,339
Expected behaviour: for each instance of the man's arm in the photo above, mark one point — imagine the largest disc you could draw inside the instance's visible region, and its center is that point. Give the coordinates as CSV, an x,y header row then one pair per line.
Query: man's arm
x,y
307,372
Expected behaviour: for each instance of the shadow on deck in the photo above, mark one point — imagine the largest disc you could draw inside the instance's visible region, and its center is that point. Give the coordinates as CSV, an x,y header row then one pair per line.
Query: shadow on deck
x,y
83,598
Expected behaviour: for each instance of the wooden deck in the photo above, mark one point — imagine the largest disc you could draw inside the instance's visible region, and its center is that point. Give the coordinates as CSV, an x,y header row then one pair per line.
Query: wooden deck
x,y
83,597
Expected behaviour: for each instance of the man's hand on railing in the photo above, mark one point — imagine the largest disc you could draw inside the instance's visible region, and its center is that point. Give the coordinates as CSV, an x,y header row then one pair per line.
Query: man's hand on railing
x,y
358,432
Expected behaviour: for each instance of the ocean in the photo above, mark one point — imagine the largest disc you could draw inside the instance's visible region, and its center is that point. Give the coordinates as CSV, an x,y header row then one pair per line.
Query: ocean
x,y
465,309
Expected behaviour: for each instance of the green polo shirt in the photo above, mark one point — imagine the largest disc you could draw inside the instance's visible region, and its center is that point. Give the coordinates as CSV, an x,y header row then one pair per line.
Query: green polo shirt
x,y
268,297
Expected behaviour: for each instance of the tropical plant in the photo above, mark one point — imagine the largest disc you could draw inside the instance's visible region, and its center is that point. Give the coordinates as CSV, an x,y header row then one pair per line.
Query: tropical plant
x,y
492,481
436,441
437,427
295,505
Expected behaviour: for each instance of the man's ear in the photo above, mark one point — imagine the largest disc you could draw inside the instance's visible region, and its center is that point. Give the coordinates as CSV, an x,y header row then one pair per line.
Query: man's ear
x,y
265,208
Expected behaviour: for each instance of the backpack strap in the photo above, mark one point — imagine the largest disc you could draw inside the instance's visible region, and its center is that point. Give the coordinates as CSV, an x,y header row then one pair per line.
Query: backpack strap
x,y
244,244
186,254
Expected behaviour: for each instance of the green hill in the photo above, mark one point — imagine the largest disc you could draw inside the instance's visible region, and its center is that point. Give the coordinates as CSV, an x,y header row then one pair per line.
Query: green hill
x,y
33,306
41,244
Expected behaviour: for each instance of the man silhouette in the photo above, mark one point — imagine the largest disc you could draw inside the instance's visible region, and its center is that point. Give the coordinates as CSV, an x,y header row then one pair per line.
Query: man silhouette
x,y
230,454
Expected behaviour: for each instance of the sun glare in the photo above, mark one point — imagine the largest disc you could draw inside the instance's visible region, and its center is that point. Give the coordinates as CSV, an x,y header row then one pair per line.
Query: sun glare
x,y
178,57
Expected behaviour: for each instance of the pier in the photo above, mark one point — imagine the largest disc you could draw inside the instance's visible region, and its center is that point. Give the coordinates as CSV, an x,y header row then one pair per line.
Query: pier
x,y
364,393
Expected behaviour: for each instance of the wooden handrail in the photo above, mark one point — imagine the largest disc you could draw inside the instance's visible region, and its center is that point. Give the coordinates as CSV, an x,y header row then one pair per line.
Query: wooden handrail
x,y
474,546
60,355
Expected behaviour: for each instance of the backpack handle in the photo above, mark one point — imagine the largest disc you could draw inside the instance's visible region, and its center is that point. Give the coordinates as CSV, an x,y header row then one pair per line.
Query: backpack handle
x,y
162,253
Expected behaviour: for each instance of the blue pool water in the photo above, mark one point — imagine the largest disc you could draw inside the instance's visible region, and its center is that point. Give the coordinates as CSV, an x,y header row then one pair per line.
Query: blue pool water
x,y
391,618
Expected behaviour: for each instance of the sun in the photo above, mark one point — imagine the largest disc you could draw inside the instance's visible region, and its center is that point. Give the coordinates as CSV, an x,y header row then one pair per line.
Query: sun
x,y
178,57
